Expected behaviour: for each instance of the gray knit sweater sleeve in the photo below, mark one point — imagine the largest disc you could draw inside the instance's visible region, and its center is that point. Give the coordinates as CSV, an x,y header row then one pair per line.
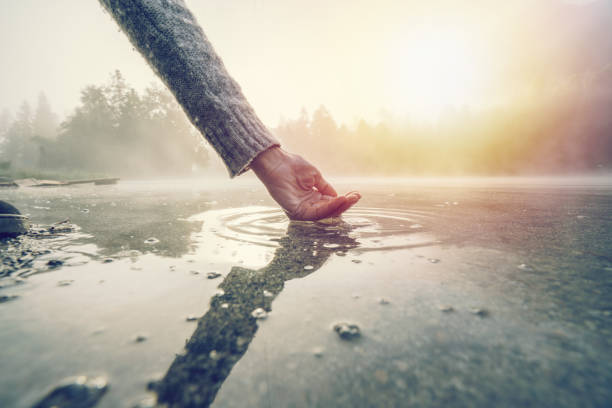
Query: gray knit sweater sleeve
x,y
170,39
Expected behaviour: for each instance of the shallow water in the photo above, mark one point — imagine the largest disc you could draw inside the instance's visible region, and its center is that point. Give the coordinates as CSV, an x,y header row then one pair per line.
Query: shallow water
x,y
466,292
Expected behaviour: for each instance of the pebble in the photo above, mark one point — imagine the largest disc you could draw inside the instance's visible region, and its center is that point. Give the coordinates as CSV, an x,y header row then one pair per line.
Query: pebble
x,y
151,241
194,272
308,267
213,275
54,263
259,313
479,312
140,338
267,293
107,260
433,260
446,308
318,352
347,331
383,301
357,261
66,282
191,318
79,392
7,298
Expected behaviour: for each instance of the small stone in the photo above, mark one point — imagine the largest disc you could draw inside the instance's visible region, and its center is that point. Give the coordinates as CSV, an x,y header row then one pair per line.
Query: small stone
x,y
107,260
318,352
524,267
151,241
347,331
66,282
224,305
308,267
54,263
7,298
191,318
446,308
383,301
79,392
140,338
267,294
357,261
433,260
213,275
479,312
194,272
259,313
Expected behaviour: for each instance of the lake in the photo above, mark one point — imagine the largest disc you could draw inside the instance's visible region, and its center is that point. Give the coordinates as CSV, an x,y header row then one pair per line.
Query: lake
x,y
430,292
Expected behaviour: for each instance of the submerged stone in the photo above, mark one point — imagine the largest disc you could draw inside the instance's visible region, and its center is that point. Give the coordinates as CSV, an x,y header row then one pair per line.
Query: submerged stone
x,y
151,241
7,298
79,392
479,312
191,318
446,308
65,282
213,275
347,331
54,263
140,338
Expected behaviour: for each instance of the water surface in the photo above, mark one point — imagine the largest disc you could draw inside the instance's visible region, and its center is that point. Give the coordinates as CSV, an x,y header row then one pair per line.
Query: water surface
x,y
472,292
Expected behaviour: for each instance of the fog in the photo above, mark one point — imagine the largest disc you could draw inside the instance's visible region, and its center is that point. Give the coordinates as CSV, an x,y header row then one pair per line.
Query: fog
x,y
524,88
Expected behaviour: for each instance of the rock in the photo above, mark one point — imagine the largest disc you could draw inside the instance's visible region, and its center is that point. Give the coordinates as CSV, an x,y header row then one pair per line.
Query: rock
x,y
447,308
54,263
213,275
347,331
140,338
12,223
7,298
66,282
479,312
191,318
79,392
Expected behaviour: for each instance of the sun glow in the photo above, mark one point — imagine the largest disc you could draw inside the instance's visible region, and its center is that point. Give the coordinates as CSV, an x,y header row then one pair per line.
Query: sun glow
x,y
430,70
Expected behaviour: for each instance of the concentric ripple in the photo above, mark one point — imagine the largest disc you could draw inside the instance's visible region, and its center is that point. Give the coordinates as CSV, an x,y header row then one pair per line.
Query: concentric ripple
x,y
372,229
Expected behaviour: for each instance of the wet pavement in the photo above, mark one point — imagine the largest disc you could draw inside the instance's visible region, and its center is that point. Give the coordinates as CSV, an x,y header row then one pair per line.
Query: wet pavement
x,y
458,292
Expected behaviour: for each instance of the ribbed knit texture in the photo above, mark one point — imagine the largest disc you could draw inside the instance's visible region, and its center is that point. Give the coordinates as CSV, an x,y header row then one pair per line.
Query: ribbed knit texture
x,y
170,39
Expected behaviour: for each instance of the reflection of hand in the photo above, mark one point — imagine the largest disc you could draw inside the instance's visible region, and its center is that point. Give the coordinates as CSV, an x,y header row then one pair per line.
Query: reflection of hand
x,y
298,187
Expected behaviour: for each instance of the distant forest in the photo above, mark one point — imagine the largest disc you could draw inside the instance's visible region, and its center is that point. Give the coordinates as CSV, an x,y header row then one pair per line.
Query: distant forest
x,y
558,127
114,131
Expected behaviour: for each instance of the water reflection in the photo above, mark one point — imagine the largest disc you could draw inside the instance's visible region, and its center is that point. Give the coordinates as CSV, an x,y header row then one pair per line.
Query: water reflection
x,y
224,333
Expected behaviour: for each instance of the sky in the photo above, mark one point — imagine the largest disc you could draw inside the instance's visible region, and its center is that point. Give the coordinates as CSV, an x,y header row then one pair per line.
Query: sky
x,y
358,59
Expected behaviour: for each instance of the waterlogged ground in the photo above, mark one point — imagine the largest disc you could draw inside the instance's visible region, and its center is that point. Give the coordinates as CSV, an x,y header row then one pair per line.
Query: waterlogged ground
x,y
428,293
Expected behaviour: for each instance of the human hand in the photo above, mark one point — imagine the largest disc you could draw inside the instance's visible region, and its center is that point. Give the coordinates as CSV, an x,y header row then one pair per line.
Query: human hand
x,y
298,187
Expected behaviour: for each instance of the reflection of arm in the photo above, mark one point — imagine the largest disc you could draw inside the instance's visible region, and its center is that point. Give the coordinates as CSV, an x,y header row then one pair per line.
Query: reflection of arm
x,y
168,36
226,330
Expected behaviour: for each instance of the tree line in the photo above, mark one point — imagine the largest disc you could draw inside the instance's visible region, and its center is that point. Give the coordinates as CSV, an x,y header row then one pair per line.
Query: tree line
x,y
561,127
114,131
